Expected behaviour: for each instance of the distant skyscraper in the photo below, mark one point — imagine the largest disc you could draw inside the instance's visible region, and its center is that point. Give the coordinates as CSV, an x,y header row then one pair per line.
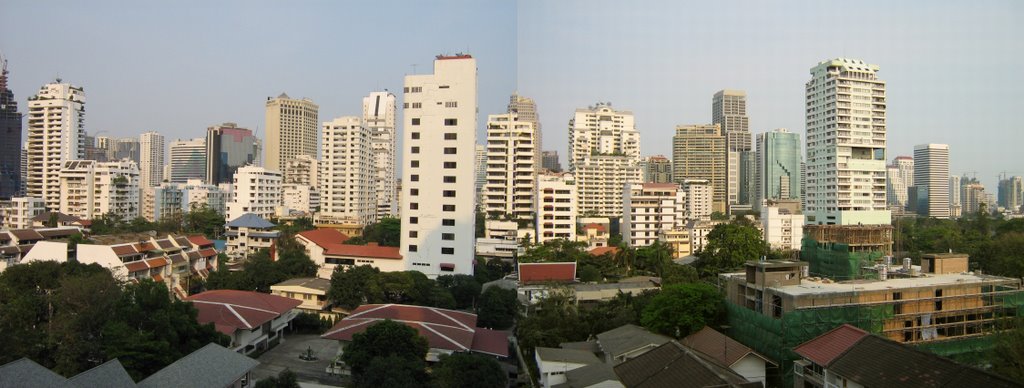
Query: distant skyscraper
x,y
512,164
379,115
56,132
729,111
347,171
229,147
480,171
845,115
92,151
604,156
151,156
439,137
955,205
972,197
931,178
1011,191
657,169
549,161
126,148
699,152
188,160
292,130
526,110
900,177
778,166
10,139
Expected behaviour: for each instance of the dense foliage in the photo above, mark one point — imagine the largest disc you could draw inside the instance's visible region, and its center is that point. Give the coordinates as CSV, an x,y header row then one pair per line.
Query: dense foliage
x,y
728,246
386,233
357,285
681,309
259,271
468,370
498,308
995,245
558,319
285,379
200,219
387,354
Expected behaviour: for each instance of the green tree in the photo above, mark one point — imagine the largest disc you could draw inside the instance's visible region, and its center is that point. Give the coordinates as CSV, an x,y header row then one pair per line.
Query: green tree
x,y
285,379
82,304
498,308
681,309
400,345
386,233
1008,353
558,250
729,246
293,261
52,220
202,219
355,286
464,289
468,370
553,320
262,272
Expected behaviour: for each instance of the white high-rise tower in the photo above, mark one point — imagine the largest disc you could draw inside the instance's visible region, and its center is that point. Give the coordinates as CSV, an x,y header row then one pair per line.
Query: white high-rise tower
x,y
346,172
513,159
604,156
931,178
379,116
56,134
151,159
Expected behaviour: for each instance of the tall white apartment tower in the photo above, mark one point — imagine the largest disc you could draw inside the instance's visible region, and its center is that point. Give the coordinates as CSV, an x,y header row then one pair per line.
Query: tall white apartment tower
x,y
291,130
931,178
513,160
846,144
438,176
900,177
604,156
955,205
151,159
347,190
379,111
56,134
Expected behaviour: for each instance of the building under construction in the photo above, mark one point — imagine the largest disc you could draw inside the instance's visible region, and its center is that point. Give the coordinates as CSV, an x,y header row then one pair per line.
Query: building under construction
x,y
939,306
841,252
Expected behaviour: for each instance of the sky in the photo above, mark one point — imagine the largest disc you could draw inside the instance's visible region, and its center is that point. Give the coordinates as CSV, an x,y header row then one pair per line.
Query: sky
x,y
952,68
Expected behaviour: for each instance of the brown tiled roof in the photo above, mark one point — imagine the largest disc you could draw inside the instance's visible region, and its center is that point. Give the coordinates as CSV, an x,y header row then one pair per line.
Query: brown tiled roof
x,y
26,234
4,237
182,242
61,217
208,252
145,246
24,248
671,364
718,346
370,250
200,240
826,347
157,262
9,250
59,232
165,244
603,250
547,272
124,250
443,329
177,258
192,255
230,310
136,266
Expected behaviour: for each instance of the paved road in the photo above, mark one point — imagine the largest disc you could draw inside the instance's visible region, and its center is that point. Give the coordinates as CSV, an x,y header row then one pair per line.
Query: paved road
x,y
286,355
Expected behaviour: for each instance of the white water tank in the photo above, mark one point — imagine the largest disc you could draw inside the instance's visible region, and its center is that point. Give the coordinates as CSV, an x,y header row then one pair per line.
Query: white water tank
x,y
883,272
907,264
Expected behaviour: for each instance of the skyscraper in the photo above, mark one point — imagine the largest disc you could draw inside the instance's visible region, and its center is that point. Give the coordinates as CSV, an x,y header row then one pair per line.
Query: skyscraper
x,y
511,167
778,166
955,205
10,139
1011,190
439,138
292,129
126,148
379,115
699,152
604,156
973,197
188,160
845,115
229,147
56,131
526,111
900,178
657,169
347,171
729,111
549,161
931,178
151,159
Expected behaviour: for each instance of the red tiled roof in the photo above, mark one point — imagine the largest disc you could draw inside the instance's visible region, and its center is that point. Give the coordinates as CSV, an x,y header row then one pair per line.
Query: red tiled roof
x,y
324,236
547,272
602,250
208,252
158,278
157,262
145,246
177,258
136,266
124,250
489,341
200,240
443,329
165,244
826,347
370,250
85,223
599,227
230,310
26,234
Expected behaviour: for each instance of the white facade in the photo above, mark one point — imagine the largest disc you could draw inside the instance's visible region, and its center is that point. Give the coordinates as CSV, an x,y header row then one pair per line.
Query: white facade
x,y
188,160
291,130
556,207
846,144
56,134
955,205
513,160
347,187
90,189
19,212
256,190
783,229
301,170
379,115
179,198
439,127
931,178
899,179
151,159
699,199
604,156
649,209
300,198
480,168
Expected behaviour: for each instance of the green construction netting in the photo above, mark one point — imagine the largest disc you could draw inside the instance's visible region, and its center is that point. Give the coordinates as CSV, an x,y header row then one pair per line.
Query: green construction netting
x,y
971,351
834,260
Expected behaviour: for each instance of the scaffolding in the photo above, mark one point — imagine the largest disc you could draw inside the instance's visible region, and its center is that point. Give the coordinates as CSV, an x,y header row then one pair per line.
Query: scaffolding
x,y
841,251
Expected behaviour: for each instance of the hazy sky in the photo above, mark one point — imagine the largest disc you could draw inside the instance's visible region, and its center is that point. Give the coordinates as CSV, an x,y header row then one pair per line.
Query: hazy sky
x,y
953,69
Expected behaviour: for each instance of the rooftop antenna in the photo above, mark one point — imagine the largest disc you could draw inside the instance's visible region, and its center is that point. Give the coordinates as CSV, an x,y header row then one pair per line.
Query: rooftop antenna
x,y
414,68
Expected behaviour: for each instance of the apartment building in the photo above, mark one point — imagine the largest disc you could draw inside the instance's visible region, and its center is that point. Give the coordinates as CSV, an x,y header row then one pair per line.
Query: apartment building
x,y
604,156
347,187
513,159
291,130
650,209
657,169
699,199
91,189
56,134
782,223
256,190
931,179
19,212
151,159
699,152
729,111
899,180
379,115
556,207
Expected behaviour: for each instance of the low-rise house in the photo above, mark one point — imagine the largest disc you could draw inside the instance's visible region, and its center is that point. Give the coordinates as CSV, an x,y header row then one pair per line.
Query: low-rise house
x,y
42,220
326,248
553,363
598,375
675,365
311,292
537,279
734,355
594,234
598,292
248,234
253,320
15,245
627,342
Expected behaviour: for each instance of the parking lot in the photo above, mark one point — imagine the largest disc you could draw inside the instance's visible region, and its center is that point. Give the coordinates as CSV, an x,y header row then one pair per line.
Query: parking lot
x,y
286,355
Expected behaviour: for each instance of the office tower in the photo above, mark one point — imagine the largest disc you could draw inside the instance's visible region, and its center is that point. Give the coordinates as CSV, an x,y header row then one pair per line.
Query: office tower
x,y
93,151
699,152
699,199
104,145
931,178
229,147
777,167
439,130
188,160
657,169
556,207
302,170
973,197
347,171
291,130
1011,190
256,190
480,169
955,205
56,130
379,115
10,139
604,156
90,189
549,161
649,210
126,148
846,144
899,180
151,159
729,111
513,160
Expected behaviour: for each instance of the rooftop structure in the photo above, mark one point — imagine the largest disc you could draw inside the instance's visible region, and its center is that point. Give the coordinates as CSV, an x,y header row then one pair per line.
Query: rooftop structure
x,y
672,363
251,319
547,272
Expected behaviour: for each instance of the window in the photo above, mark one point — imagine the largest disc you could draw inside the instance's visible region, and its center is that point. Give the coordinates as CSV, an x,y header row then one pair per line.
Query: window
x,y
448,251
451,104
414,178
449,179
414,220
449,150
451,122
448,193
414,192
448,236
415,121
417,105
416,89
448,222
416,150
938,300
442,87
415,135
414,163
448,208
413,248
414,205
414,234
449,164
451,136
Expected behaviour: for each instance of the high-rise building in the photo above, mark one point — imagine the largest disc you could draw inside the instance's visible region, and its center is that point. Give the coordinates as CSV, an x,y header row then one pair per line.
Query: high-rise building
x,y
94,152
556,207
480,169
126,148
1011,190
188,160
649,210
955,205
657,169
56,131
899,180
699,152
10,139
549,161
256,190
778,166
347,188
699,199
604,156
513,161
90,189
151,159
229,147
973,198
846,144
302,170
729,111
439,130
291,130
931,178
379,115
526,110
176,199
